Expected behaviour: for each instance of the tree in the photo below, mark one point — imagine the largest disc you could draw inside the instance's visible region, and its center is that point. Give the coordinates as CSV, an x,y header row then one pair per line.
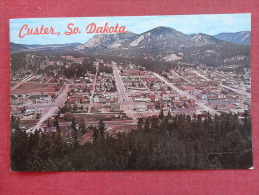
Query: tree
x,y
95,134
75,107
169,115
82,125
58,115
147,125
19,153
50,122
140,123
161,114
75,132
154,123
56,124
101,128
68,116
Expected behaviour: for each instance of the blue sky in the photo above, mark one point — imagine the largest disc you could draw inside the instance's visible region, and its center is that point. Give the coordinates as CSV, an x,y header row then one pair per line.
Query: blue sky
x,y
209,24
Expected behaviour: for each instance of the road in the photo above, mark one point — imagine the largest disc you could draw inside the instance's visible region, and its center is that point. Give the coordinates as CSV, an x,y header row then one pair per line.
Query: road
x,y
93,89
123,97
88,123
53,107
144,84
189,96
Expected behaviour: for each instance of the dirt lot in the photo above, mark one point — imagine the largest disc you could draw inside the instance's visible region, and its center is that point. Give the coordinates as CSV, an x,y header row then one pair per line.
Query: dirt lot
x,y
27,88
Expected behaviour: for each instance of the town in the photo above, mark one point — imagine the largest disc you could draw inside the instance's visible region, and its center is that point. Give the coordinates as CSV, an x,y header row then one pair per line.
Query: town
x,y
119,94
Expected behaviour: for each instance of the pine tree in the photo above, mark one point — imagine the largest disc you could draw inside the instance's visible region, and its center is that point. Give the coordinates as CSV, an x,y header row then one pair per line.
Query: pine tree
x,y
140,123
56,124
82,125
101,128
147,125
169,115
95,134
161,114
75,132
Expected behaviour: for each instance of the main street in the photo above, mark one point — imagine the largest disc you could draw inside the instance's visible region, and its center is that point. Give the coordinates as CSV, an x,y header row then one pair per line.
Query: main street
x,y
93,88
123,96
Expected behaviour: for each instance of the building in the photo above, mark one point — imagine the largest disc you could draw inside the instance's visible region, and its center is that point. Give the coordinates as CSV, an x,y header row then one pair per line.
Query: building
x,y
76,99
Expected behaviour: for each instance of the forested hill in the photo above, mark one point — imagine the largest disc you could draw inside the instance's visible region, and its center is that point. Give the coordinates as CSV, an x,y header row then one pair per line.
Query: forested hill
x,y
219,142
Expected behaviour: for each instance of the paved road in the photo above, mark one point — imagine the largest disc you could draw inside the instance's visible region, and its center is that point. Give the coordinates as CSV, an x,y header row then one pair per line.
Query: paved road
x,y
144,84
93,89
52,108
123,96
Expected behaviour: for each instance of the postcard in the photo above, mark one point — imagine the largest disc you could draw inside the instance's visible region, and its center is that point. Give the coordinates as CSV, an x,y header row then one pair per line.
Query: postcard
x,y
166,92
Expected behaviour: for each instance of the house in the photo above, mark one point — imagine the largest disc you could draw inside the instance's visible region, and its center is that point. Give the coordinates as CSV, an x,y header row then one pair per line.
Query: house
x,y
212,97
141,107
183,98
115,106
43,99
142,99
76,99
133,72
20,107
239,112
96,98
191,102
227,91
166,98
202,96
159,104
152,97
218,104
221,96
29,111
187,88
177,103
150,79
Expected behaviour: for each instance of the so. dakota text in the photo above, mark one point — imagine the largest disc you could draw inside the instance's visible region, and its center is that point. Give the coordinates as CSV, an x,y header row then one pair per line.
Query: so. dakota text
x,y
26,30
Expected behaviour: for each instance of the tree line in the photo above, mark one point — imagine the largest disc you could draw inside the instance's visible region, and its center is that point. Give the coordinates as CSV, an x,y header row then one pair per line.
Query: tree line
x,y
158,143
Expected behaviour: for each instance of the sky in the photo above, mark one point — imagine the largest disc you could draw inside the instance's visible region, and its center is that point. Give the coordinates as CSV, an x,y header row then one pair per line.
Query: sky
x,y
210,24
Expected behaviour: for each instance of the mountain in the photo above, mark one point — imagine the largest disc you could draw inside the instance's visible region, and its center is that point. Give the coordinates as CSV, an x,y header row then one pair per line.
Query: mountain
x,y
17,47
203,39
243,37
161,44
106,41
169,45
43,48
157,38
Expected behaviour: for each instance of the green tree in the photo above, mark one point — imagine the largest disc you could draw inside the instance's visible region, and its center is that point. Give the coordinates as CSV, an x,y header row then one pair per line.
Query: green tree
x,y
75,133
101,128
82,125
140,123
161,114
